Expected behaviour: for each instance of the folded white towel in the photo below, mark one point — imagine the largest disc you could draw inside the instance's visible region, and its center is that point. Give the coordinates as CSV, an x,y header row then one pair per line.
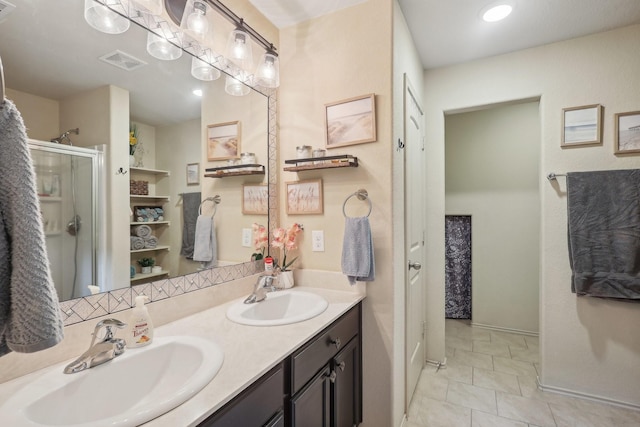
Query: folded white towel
x,y
204,246
358,262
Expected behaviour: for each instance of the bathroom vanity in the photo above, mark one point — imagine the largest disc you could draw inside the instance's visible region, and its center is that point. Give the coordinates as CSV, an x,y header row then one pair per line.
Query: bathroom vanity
x,y
320,384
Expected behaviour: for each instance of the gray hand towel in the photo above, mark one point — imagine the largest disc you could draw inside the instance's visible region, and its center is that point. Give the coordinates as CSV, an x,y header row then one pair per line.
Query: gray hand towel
x,y
205,246
358,262
30,318
150,242
141,231
190,205
604,233
137,243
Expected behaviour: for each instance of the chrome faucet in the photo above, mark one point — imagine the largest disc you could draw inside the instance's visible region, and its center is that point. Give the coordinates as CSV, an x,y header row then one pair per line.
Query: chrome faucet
x,y
266,283
98,353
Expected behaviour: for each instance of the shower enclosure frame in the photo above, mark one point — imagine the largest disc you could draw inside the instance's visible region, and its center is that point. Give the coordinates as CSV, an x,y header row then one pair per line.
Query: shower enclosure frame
x,y
96,156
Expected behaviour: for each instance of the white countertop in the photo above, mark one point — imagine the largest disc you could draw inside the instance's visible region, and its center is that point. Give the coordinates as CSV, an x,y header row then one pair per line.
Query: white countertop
x,y
249,352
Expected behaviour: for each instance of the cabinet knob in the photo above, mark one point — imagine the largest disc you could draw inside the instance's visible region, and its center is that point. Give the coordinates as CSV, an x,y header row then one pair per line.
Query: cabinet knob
x,y
332,376
341,365
336,342
415,265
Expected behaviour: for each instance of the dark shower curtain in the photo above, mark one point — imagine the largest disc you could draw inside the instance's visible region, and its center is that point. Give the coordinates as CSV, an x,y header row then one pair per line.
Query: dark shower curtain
x,y
457,267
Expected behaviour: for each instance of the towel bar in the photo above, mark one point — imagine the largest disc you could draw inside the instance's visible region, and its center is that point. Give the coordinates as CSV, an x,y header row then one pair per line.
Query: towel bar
x,y
361,194
552,176
215,200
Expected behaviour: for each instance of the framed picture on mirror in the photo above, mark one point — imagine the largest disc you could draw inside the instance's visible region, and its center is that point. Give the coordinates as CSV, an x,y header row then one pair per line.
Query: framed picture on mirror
x,y
351,121
193,174
223,141
255,199
582,126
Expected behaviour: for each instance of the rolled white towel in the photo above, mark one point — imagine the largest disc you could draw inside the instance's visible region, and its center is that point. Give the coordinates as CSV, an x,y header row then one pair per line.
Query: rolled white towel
x,y
150,242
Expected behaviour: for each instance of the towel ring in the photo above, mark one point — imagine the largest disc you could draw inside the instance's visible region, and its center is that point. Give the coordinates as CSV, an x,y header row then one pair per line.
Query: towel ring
x,y
215,200
361,194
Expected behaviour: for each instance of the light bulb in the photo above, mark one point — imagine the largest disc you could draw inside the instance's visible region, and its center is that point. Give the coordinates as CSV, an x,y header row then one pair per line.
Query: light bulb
x,y
159,47
239,49
497,13
268,72
203,71
197,20
235,87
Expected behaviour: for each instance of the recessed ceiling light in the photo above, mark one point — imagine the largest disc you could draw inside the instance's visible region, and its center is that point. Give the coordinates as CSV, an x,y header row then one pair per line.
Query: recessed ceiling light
x,y
197,92
496,12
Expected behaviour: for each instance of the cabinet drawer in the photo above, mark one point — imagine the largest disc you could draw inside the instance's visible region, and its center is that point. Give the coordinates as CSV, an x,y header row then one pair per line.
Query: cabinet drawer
x,y
307,361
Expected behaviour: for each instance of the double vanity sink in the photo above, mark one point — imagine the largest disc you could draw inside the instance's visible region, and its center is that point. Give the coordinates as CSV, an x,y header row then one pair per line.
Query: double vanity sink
x,y
144,383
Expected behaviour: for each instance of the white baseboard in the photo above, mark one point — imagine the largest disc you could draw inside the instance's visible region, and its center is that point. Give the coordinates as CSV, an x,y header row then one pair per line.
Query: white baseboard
x,y
586,396
501,329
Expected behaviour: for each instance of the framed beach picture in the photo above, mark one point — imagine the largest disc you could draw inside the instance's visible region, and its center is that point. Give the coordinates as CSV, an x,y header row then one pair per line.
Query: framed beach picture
x,y
351,121
193,174
582,126
304,197
627,137
223,141
255,199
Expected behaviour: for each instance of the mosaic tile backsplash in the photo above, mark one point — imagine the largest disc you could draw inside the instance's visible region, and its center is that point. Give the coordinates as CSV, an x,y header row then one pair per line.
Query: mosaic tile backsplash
x,y
90,307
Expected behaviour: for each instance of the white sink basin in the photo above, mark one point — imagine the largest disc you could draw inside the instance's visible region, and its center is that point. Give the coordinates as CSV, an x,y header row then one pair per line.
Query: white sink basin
x,y
279,308
133,388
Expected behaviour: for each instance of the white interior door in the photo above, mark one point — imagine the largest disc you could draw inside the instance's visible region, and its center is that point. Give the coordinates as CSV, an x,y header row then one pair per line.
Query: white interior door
x,y
414,229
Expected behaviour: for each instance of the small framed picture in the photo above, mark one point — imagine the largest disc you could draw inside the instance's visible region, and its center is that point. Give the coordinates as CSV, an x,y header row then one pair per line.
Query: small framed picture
x,y
193,174
627,132
223,141
304,197
582,126
255,199
351,121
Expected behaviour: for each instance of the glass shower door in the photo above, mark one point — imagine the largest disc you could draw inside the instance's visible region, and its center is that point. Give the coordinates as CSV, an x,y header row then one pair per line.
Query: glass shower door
x,y
66,179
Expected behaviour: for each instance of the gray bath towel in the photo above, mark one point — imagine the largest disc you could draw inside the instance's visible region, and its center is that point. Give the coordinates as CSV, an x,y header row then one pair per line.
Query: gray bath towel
x,y
205,246
190,205
137,243
141,231
604,233
150,242
358,262
30,318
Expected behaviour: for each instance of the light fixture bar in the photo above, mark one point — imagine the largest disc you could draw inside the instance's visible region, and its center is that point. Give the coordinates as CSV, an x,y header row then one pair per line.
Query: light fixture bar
x,y
239,22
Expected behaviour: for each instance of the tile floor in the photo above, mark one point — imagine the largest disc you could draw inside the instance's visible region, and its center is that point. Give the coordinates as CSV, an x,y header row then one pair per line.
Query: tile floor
x,y
490,381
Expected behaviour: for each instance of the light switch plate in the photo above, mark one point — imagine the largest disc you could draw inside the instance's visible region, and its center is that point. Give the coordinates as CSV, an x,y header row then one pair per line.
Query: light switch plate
x,y
317,241
246,237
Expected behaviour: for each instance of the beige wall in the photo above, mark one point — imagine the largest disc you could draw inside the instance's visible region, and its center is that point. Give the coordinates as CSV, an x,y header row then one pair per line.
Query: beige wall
x,y
325,60
492,164
41,116
587,345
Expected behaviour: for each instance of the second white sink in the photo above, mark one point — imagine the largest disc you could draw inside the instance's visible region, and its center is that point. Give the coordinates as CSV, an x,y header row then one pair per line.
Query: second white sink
x,y
279,308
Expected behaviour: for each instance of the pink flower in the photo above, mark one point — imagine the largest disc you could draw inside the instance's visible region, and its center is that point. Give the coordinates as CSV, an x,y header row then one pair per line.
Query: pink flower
x,y
286,240
260,237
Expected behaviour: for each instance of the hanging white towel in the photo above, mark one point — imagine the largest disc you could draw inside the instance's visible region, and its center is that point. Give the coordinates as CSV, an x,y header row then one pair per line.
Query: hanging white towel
x,y
30,318
205,246
358,262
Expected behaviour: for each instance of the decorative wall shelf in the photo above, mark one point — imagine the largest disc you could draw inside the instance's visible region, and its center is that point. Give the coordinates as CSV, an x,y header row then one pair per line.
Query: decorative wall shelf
x,y
328,162
157,248
235,170
150,171
140,276
157,198
151,223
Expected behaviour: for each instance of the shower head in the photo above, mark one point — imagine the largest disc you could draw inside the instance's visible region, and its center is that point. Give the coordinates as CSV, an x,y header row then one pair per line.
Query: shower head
x,y
65,136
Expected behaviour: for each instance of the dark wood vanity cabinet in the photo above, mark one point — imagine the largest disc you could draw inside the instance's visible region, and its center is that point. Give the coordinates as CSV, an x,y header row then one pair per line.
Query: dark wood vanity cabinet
x,y
319,385
326,376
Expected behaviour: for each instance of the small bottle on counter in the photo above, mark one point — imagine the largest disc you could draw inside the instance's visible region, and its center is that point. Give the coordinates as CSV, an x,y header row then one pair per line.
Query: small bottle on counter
x,y
268,265
140,327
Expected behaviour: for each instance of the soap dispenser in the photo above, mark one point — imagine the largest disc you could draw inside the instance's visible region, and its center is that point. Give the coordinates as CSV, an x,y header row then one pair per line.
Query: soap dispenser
x,y
140,326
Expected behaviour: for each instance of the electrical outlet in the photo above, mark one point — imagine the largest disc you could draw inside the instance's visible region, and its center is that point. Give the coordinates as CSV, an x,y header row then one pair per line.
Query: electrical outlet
x,y
317,241
246,237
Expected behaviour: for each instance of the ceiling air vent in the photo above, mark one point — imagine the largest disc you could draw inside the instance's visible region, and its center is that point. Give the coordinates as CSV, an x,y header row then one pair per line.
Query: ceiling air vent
x,y
5,9
122,60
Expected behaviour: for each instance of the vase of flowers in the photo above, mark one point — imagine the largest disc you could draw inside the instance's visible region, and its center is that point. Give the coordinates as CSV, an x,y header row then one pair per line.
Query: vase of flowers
x,y
285,240
260,241
134,146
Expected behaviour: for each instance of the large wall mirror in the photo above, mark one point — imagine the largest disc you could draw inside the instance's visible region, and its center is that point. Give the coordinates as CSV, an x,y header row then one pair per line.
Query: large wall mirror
x,y
51,55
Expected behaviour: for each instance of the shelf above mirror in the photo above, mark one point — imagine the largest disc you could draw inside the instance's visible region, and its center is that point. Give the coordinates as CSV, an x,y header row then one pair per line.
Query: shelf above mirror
x,y
327,162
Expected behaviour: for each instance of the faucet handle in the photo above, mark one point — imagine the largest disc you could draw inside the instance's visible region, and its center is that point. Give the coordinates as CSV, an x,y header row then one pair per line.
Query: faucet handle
x,y
108,324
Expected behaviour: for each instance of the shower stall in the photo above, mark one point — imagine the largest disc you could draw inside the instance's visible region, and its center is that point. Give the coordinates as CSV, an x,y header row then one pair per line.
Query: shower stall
x,y
68,184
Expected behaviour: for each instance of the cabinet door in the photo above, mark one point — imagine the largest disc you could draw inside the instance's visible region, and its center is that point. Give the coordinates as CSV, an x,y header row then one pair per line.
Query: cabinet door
x,y
347,388
276,421
311,406
256,406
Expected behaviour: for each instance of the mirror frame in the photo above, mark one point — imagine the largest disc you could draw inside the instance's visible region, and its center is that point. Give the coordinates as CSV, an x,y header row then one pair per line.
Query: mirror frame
x,y
93,306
